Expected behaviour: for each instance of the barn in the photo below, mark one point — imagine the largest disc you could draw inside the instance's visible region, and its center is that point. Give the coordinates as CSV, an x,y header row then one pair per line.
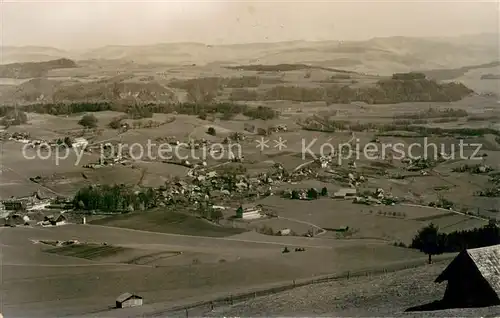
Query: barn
x,y
128,300
345,193
15,205
248,212
473,278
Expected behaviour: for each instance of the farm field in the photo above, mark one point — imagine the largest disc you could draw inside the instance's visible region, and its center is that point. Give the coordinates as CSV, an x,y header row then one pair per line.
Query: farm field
x,y
198,268
167,222
397,223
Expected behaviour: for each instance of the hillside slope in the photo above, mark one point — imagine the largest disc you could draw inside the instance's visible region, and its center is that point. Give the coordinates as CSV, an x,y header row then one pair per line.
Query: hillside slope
x,y
33,69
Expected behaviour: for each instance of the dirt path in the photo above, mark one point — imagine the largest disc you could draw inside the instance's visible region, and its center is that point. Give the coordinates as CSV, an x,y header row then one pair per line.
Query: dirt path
x,y
442,209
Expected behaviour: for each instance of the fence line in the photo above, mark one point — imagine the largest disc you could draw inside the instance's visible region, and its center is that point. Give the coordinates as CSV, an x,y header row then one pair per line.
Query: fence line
x,y
233,298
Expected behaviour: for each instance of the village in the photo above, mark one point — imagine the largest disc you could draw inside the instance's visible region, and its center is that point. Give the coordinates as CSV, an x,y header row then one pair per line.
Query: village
x,y
205,188
271,207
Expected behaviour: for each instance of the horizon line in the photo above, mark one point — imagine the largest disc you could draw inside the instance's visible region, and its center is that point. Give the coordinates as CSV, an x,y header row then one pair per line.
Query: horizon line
x,y
246,43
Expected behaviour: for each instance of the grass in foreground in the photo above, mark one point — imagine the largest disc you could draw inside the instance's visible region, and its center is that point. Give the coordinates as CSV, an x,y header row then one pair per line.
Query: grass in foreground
x,y
163,221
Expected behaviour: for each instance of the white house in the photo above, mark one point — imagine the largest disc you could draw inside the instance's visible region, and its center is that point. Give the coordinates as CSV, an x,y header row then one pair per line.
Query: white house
x,y
80,143
345,193
248,212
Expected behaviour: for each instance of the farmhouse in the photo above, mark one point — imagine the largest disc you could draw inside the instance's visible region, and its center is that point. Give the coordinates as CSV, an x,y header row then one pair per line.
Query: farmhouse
x,y
128,300
14,205
60,220
53,220
345,193
248,212
473,278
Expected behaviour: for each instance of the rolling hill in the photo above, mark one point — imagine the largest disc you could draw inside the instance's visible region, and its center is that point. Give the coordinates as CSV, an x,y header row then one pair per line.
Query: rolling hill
x,y
378,55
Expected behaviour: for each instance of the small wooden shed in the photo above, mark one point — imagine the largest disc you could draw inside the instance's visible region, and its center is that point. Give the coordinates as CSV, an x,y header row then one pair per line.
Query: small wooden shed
x,y
128,300
473,278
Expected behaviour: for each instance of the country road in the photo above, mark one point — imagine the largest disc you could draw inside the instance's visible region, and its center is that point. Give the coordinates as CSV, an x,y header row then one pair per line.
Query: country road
x,y
447,210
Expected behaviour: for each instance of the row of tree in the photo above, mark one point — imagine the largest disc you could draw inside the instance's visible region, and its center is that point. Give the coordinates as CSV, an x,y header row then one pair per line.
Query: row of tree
x,y
137,111
311,194
430,241
314,123
388,91
123,199
116,198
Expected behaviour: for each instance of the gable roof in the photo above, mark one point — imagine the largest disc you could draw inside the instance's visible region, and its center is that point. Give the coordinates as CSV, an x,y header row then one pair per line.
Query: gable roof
x,y
345,191
249,206
485,259
125,296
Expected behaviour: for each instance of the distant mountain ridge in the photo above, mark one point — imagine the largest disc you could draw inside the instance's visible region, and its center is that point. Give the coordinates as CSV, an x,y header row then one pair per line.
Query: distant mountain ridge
x,y
381,55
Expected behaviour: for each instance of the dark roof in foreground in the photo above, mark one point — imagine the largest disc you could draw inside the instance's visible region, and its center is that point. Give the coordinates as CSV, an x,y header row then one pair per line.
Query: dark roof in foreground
x,y
487,261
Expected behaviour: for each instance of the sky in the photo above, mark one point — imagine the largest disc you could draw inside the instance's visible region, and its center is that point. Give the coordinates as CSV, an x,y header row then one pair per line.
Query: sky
x,y
72,24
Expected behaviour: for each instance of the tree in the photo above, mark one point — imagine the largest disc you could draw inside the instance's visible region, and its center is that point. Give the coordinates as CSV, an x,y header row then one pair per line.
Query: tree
x,y
312,194
211,131
324,191
68,142
492,233
115,123
88,121
429,241
295,194
202,91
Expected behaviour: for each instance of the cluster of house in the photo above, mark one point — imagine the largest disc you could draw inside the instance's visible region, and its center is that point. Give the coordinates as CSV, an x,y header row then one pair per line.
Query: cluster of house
x,y
24,137
264,131
31,202
376,198
304,194
204,185
236,136
25,211
18,219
